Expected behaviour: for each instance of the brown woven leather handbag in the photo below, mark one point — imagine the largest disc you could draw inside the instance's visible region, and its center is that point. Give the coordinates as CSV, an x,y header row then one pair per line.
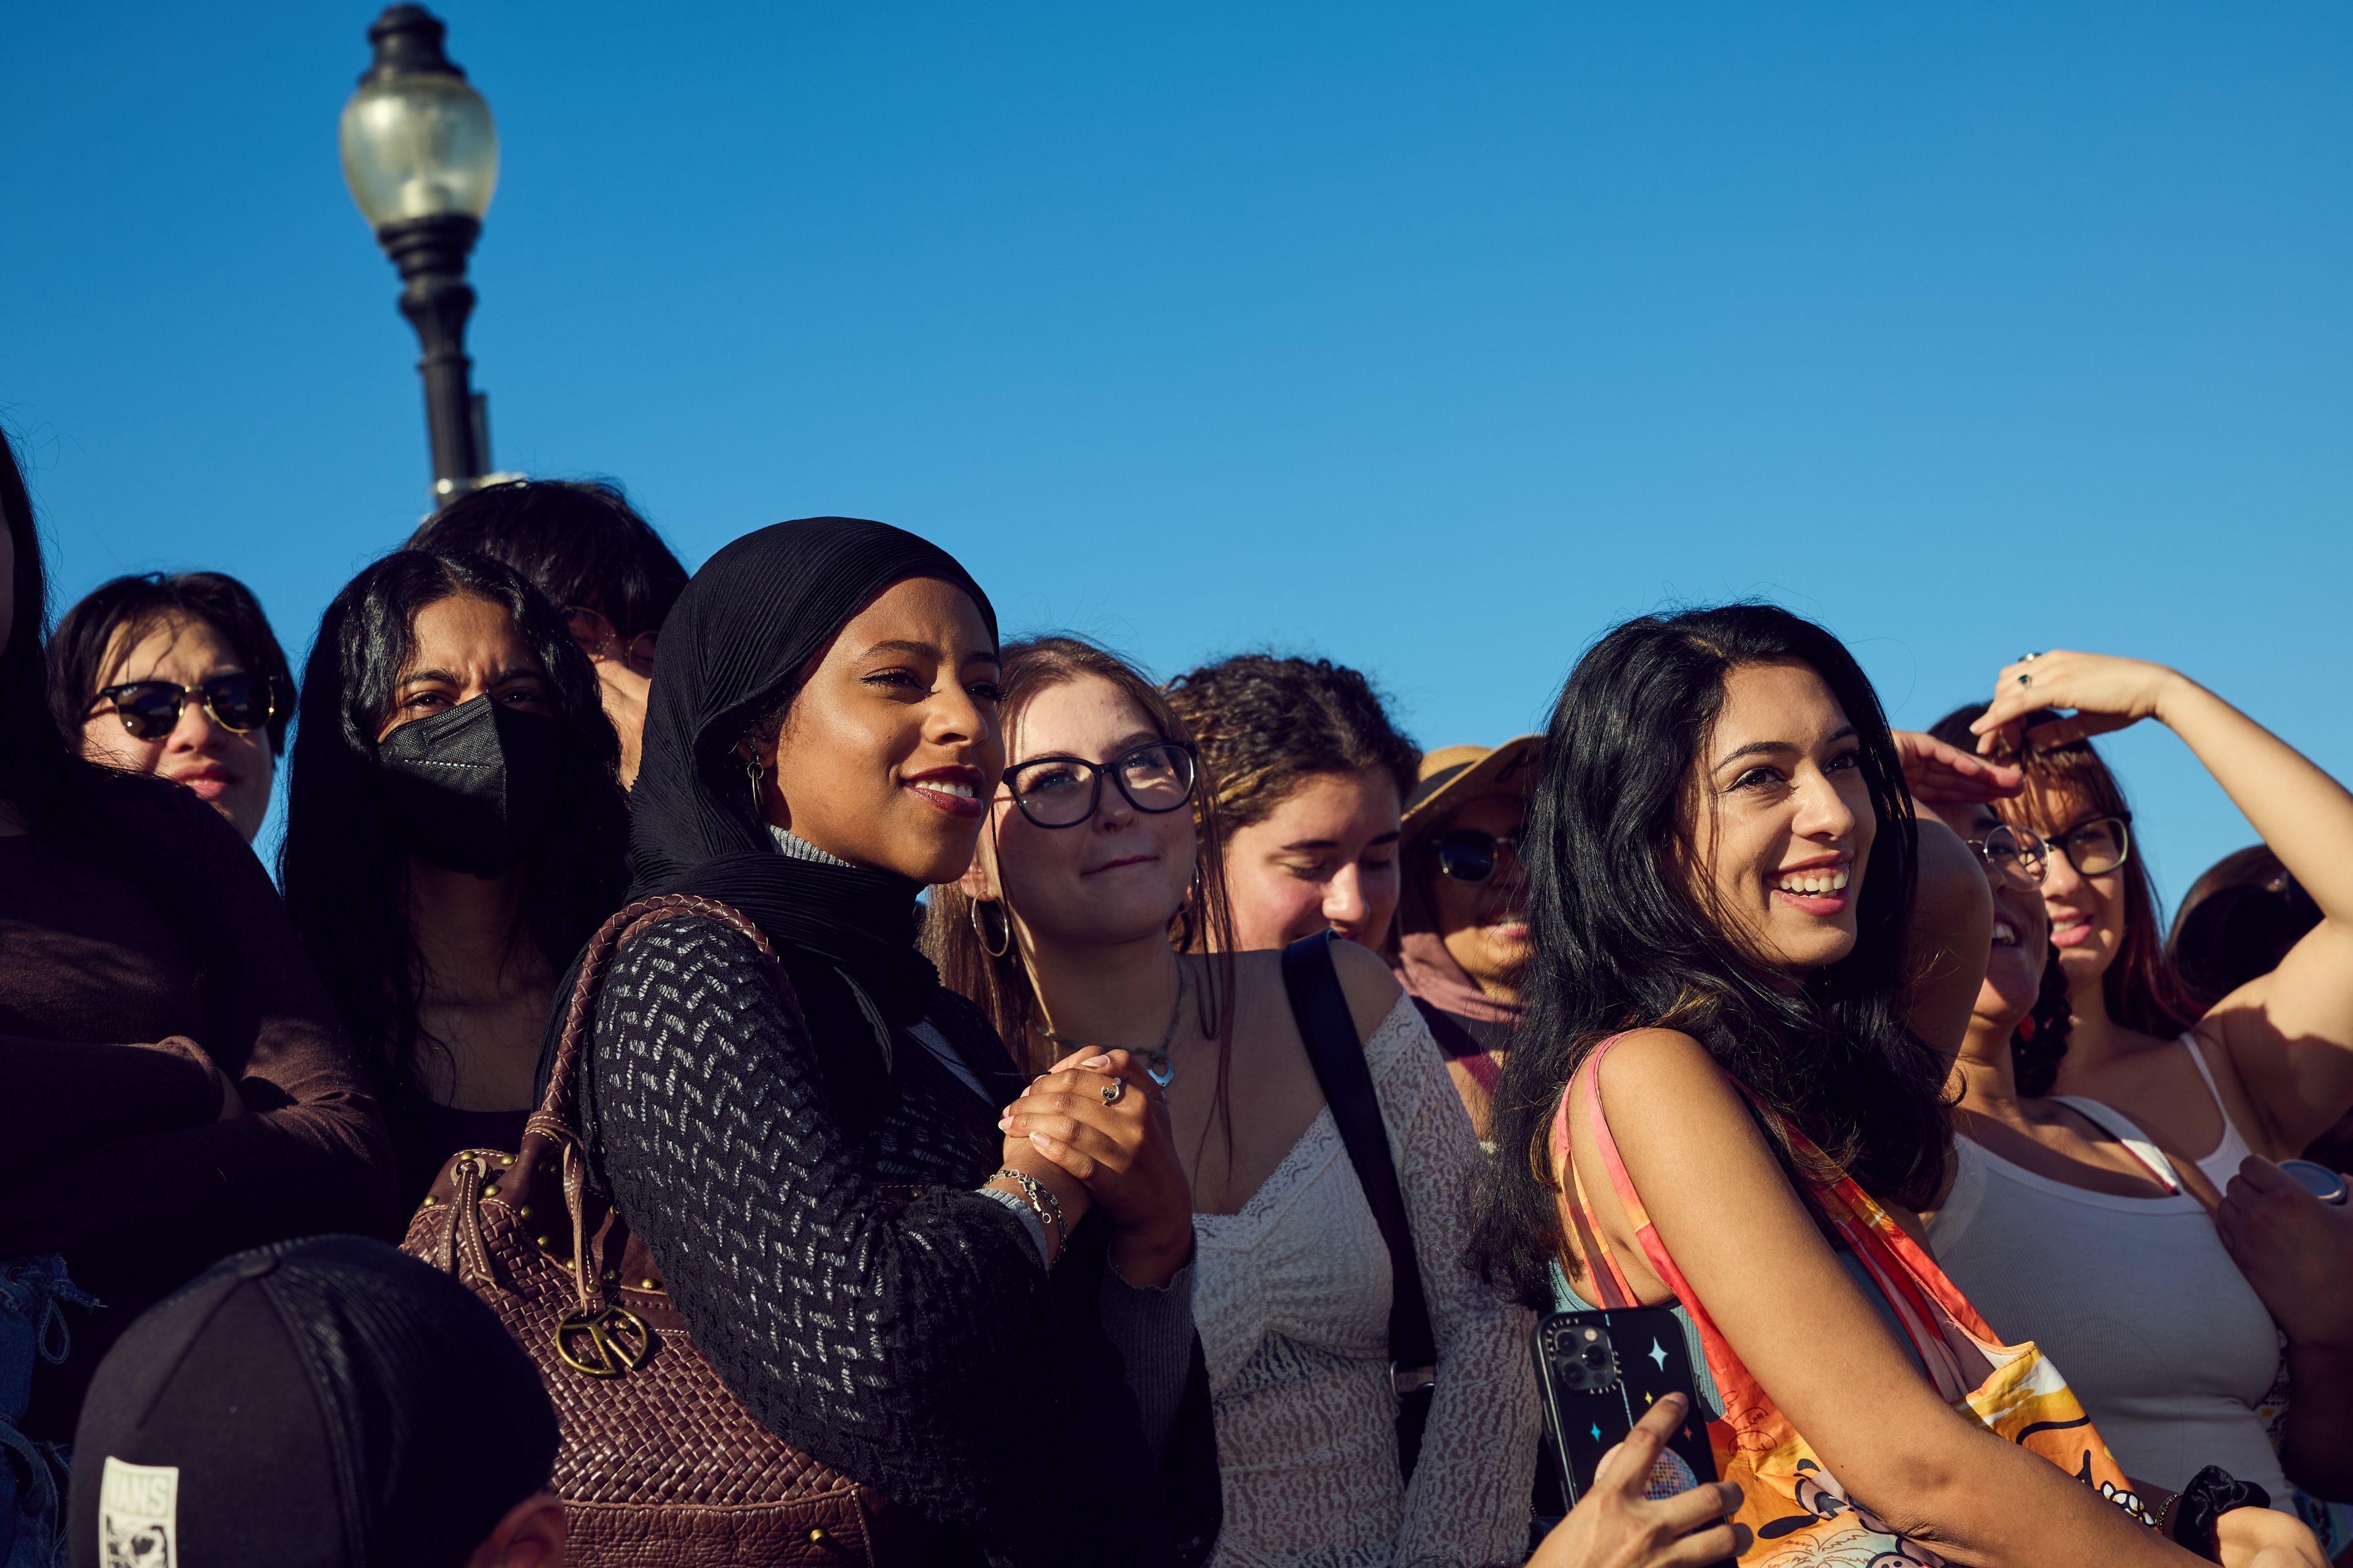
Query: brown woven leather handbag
x,y
659,1463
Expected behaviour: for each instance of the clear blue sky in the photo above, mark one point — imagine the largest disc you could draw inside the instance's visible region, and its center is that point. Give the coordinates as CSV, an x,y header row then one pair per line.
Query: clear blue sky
x,y
1429,338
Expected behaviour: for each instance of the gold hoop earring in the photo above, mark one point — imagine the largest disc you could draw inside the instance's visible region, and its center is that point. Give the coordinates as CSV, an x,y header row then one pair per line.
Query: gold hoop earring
x,y
980,932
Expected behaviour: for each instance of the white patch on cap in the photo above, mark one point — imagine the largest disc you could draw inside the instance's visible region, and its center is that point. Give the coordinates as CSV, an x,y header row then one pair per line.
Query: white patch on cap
x,y
139,1515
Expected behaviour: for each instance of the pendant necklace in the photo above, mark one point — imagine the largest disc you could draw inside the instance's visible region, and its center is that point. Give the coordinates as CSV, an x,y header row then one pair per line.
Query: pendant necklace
x,y
1155,1061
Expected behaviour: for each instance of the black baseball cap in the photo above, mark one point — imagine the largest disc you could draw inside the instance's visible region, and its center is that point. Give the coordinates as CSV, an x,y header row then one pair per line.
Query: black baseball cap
x,y
328,1403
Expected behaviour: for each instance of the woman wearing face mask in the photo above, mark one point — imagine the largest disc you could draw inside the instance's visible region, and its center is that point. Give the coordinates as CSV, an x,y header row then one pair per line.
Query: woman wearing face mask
x,y
1462,924
1311,778
454,831
179,677
2268,1068
177,1085
820,1145
1751,973
2063,1224
1094,919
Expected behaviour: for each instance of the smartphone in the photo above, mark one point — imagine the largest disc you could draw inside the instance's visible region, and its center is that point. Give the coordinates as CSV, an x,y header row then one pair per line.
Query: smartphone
x,y
1599,1373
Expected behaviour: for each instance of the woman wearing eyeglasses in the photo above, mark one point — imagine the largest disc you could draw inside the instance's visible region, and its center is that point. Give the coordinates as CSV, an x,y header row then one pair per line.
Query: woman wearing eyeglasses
x,y
2270,1067
1095,920
178,676
1462,922
2063,1224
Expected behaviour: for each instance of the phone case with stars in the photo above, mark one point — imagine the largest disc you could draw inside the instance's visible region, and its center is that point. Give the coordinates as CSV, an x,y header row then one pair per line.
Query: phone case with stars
x,y
1601,1373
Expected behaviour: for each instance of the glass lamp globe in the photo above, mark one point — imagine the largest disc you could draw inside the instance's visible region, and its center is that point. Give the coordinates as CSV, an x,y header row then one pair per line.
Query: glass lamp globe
x,y
418,144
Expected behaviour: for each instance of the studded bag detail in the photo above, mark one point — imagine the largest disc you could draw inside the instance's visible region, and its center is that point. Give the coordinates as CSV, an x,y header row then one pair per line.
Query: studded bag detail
x,y
659,1463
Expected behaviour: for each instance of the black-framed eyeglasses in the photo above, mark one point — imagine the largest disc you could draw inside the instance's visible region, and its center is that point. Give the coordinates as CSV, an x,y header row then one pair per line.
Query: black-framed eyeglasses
x,y
2018,851
150,710
1062,792
598,639
2097,846
1469,855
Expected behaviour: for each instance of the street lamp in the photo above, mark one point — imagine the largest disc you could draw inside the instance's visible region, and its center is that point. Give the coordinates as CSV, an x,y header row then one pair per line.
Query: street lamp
x,y
421,157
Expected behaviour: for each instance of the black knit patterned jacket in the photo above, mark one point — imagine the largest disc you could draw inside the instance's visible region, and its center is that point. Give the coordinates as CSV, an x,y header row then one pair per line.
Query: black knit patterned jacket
x,y
918,1346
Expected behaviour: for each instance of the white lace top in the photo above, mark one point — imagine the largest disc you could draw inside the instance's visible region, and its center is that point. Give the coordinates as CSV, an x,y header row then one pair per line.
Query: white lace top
x,y
1292,1300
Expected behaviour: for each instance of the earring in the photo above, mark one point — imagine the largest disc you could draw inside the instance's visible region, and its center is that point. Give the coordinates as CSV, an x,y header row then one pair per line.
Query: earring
x,y
758,775
980,931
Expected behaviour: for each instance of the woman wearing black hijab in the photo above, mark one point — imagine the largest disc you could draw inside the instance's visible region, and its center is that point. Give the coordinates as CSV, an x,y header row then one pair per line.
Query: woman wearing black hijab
x,y
811,1160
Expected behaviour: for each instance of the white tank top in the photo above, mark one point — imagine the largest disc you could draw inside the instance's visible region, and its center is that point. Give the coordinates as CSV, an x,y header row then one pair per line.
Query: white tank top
x,y
2223,1163
2133,1298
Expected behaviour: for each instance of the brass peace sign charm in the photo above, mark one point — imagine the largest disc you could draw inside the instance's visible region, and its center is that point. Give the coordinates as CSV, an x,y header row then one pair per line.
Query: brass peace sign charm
x,y
604,1343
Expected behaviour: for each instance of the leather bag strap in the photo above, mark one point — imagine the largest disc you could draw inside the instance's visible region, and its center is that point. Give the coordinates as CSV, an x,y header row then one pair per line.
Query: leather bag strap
x,y
1329,1032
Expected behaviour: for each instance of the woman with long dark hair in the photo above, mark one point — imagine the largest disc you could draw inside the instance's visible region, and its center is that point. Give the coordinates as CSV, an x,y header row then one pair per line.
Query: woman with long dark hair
x,y
454,832
1094,918
1751,969
815,1149
177,1085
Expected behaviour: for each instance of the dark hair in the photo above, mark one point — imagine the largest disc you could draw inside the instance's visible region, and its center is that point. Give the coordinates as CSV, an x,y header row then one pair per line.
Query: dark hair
x,y
1623,941
2065,784
37,768
342,865
1265,724
579,542
2236,923
2039,1044
128,608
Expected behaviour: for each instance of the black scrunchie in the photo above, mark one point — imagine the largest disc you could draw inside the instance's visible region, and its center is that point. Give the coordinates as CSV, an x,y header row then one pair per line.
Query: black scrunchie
x,y
2198,1511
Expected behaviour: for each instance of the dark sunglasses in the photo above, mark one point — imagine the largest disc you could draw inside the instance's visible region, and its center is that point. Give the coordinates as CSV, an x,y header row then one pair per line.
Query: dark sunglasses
x,y
1467,855
150,710
1062,792
598,639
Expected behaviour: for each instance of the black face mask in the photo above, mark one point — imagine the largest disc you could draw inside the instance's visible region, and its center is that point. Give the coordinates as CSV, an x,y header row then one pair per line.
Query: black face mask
x,y
469,788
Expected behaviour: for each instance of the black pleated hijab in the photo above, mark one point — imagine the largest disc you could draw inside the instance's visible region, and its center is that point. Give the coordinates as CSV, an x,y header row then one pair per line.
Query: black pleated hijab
x,y
736,642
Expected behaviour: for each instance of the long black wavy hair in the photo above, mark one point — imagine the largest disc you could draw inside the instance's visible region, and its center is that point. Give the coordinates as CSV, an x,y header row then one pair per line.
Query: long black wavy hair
x,y
342,864
1622,939
37,767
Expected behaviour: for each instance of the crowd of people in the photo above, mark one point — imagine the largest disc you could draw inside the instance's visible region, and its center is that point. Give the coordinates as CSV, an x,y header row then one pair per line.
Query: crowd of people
x,y
757,1066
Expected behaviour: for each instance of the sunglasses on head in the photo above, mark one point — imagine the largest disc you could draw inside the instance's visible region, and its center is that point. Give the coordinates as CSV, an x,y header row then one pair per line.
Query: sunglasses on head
x,y
598,639
1468,855
151,710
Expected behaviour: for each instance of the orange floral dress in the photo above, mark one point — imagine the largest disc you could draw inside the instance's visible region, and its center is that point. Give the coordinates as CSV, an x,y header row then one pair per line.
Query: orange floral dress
x,y
1799,1516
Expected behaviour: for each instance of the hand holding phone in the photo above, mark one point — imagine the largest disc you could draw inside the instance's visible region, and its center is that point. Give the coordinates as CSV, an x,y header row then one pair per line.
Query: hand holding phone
x,y
1616,1525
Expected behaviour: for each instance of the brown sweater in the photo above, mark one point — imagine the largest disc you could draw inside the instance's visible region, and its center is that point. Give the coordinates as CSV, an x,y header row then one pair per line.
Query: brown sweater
x,y
113,982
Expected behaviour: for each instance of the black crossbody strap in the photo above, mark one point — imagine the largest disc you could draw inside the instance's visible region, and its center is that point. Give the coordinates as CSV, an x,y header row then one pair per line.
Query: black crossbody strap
x,y
1329,1031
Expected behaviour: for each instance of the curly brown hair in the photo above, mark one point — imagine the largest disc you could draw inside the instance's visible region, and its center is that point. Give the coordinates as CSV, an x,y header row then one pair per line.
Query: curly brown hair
x,y
1266,724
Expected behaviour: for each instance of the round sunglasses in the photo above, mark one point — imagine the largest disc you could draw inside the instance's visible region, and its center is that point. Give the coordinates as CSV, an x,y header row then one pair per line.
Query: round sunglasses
x,y
1062,792
598,638
151,710
1469,855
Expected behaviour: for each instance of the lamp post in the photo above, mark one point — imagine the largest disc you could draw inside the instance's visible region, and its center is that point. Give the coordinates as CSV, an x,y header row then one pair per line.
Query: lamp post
x,y
421,157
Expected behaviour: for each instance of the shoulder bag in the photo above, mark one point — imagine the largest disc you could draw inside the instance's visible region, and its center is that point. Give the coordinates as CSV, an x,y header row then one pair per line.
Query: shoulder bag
x,y
1329,1032
659,1463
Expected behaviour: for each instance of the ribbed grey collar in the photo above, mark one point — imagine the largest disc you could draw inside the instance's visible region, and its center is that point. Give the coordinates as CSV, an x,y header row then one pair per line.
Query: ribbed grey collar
x,y
799,848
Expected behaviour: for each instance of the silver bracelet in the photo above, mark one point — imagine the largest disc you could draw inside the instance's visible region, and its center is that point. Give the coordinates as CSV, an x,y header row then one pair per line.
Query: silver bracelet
x,y
1042,1202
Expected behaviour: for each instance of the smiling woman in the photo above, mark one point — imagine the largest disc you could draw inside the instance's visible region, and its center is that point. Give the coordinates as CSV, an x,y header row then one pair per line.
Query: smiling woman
x,y
455,829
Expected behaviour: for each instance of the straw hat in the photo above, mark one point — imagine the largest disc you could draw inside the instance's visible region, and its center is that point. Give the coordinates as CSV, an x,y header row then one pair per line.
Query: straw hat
x,y
1453,774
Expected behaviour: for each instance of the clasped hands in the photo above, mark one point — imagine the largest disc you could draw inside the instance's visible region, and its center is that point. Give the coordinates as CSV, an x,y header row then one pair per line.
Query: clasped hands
x,y
1116,1143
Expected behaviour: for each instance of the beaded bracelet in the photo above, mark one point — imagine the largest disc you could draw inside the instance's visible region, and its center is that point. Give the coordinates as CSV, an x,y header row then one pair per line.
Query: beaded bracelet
x,y
1042,1202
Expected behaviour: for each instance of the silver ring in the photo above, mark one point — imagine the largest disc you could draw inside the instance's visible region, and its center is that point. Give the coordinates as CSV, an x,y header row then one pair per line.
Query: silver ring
x,y
1113,1090
2027,658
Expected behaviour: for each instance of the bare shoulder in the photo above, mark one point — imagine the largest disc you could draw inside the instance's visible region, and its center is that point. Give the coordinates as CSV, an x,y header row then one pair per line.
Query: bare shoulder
x,y
1366,981
1664,1082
